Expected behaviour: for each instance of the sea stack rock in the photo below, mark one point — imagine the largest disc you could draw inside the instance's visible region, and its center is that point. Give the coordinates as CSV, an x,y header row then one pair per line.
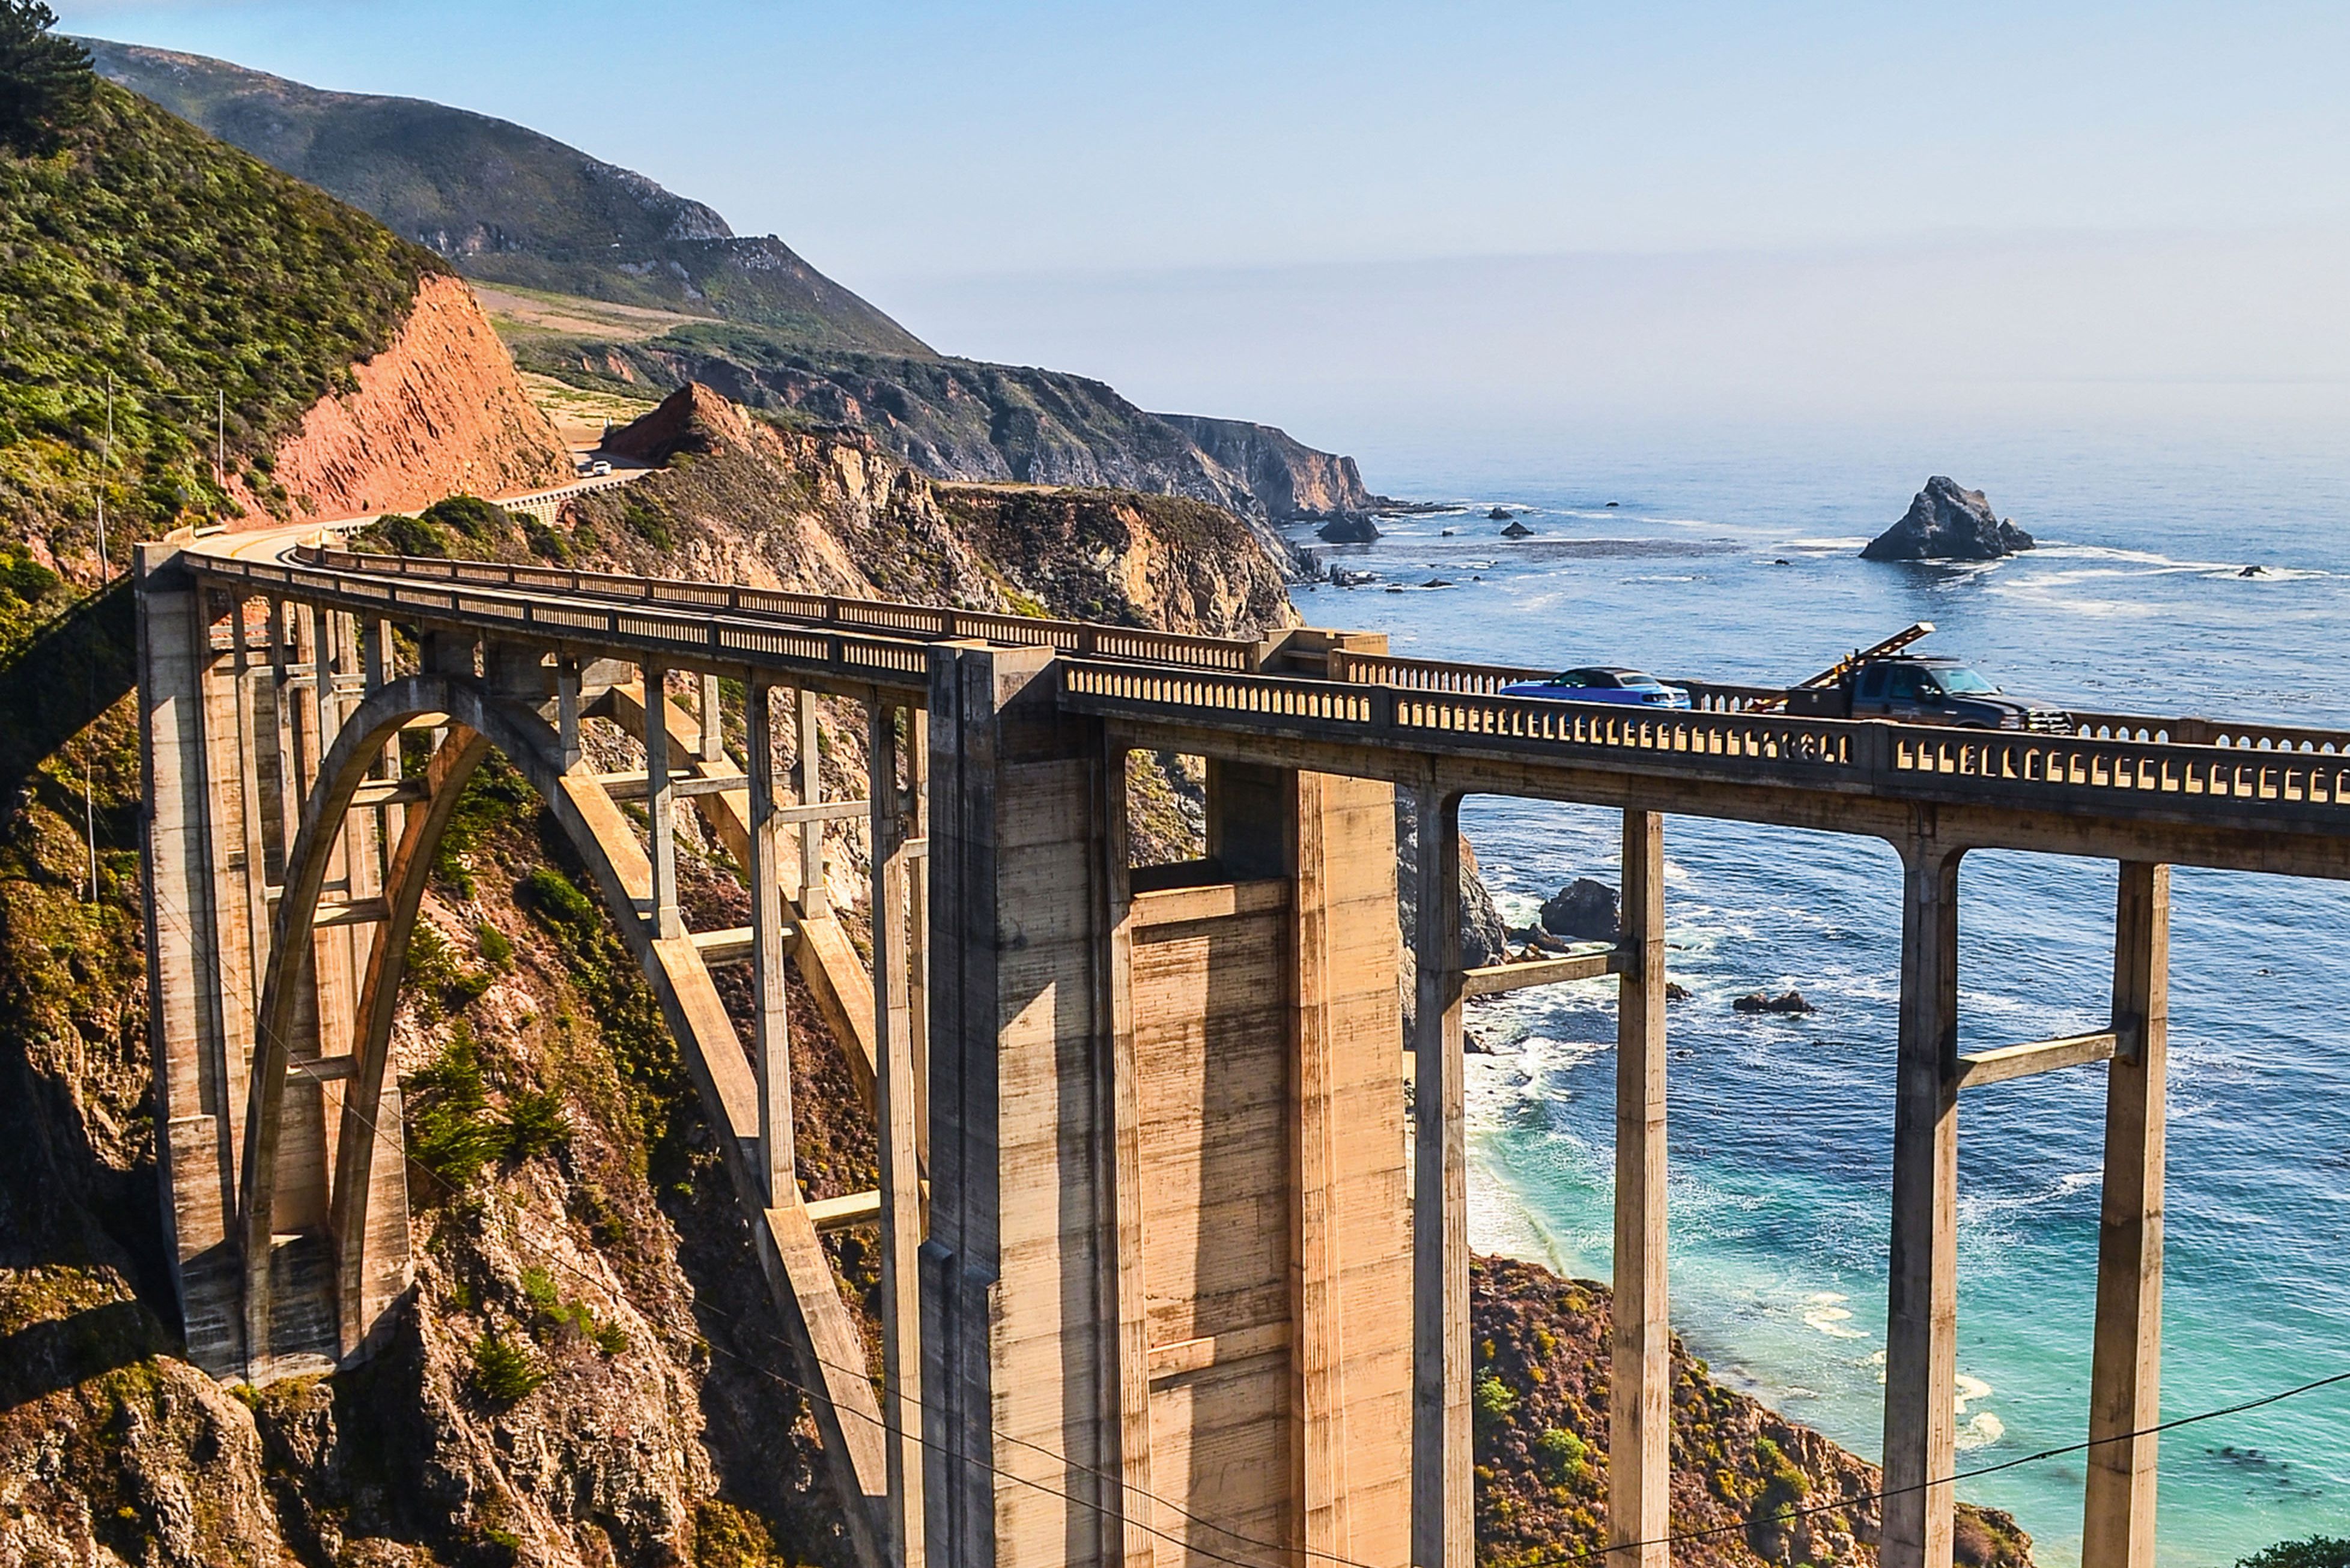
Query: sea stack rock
x,y
1583,911
1349,528
1948,523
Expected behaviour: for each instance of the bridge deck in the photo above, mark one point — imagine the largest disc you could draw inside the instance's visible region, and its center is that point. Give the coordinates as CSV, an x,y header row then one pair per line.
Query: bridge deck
x,y
2271,798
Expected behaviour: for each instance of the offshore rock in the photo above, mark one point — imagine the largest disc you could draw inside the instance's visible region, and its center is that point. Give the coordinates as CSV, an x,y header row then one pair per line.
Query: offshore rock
x,y
1583,910
1945,523
1353,529
1517,531
1764,1001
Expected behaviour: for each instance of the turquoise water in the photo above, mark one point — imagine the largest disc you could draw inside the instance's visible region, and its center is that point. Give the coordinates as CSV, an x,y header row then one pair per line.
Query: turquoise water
x,y
1782,1128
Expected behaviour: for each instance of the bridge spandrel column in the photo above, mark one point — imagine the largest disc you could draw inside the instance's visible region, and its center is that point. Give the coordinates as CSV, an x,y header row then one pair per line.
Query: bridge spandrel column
x,y
1013,1335
1443,1516
1640,1405
894,1081
1921,1318
2124,1380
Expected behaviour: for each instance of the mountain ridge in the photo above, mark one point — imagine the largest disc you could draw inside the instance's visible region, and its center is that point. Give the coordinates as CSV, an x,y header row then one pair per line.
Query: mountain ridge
x,y
507,205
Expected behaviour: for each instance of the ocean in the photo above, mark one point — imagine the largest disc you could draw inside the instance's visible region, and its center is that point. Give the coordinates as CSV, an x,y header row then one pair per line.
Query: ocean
x,y
1737,559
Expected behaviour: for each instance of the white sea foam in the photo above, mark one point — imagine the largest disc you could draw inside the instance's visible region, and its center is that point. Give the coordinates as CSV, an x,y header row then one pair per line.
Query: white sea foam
x,y
1980,1432
1831,1321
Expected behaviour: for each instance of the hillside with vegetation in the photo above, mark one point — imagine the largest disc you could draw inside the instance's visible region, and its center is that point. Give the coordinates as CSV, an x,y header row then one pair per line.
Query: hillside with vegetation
x,y
553,228
169,308
507,204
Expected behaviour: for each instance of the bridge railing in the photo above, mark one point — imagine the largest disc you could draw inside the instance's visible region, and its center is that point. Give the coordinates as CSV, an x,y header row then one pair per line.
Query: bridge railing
x,y
921,622
1487,679
896,661
2008,767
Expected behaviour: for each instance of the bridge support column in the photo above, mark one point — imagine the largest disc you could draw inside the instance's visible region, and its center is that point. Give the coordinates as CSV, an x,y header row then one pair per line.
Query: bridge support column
x,y
1922,1307
895,1084
2125,1379
661,807
1442,1517
771,1041
186,1029
1639,1376
1010,1269
808,782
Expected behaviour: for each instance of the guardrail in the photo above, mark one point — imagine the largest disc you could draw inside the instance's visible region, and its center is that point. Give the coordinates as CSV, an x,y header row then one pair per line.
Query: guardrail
x,y
924,622
1995,766
893,661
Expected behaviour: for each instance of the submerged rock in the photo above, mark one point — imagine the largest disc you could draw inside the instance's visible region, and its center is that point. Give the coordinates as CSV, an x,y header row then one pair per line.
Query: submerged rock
x,y
1945,523
1584,909
1351,529
1764,1001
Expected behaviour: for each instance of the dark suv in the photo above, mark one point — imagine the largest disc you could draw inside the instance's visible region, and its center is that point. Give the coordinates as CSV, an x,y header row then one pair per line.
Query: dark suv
x,y
1922,690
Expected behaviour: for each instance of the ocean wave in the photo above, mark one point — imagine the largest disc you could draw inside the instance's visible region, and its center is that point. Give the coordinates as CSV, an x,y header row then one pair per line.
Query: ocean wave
x,y
1856,543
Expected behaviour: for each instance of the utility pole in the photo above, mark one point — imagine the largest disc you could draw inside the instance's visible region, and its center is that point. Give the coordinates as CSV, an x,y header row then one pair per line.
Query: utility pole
x,y
105,466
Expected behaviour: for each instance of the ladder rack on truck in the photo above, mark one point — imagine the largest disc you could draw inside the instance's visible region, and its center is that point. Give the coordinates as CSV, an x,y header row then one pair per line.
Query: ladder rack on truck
x,y
1834,673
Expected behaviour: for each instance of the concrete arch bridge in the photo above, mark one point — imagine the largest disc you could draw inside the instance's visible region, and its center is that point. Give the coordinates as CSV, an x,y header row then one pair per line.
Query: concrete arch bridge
x,y
1163,1281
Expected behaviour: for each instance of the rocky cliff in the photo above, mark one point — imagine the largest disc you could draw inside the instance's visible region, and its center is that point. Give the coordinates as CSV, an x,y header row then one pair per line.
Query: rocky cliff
x,y
437,411
1750,1488
1289,478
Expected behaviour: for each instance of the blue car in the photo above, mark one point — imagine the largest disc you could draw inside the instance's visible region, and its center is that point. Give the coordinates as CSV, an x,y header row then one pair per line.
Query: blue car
x,y
1600,684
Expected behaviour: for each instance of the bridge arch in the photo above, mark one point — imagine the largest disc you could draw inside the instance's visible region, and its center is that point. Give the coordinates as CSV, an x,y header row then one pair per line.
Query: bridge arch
x,y
477,723
475,720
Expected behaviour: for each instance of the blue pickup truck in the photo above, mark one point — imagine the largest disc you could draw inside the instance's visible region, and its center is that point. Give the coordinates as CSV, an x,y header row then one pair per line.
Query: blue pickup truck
x,y
1602,683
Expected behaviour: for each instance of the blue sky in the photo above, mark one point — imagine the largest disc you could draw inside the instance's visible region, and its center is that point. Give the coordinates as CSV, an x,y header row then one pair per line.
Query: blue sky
x,y
1743,207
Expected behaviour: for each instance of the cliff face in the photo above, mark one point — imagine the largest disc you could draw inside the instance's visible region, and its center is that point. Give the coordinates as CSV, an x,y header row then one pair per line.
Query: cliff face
x,y
833,513
439,411
1289,477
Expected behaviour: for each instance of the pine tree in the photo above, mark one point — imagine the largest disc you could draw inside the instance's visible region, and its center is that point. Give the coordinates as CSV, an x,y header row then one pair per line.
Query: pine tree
x,y
46,82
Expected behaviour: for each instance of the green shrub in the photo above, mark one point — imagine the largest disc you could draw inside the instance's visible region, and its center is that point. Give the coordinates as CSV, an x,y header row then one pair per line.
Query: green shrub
x,y
545,541
497,949
1493,1400
397,534
484,523
550,896
2317,1551
452,1133
504,1372
648,524
535,1125
444,985
1564,1454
